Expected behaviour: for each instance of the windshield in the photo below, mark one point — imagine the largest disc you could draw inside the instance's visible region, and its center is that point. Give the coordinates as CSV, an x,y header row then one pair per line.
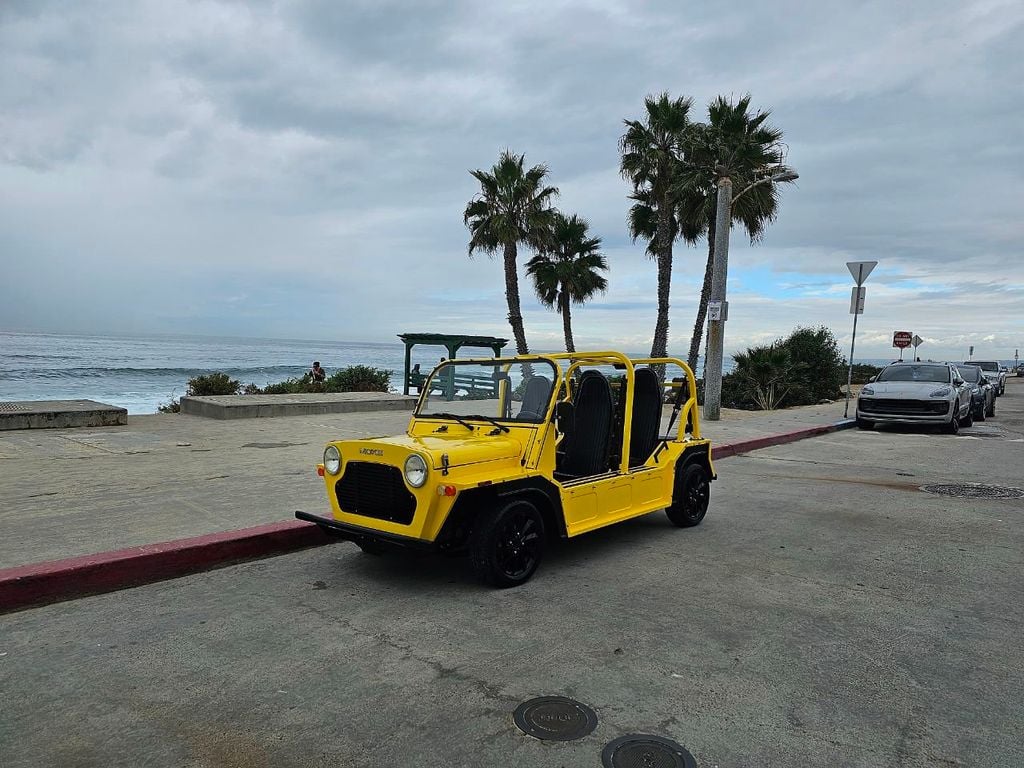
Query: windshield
x,y
970,373
986,366
503,390
932,373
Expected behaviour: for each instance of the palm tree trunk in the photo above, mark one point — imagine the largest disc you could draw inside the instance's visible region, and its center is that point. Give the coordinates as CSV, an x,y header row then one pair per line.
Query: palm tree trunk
x,y
566,321
659,345
705,297
515,315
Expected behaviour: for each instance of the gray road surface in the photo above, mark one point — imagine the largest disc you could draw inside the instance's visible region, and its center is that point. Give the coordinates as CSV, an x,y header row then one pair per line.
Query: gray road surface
x,y
827,613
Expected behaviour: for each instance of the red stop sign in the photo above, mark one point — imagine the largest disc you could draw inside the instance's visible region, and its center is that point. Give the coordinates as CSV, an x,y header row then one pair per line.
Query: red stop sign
x,y
902,339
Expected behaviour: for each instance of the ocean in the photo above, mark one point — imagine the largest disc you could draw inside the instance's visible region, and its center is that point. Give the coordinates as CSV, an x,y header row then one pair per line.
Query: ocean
x,y
142,372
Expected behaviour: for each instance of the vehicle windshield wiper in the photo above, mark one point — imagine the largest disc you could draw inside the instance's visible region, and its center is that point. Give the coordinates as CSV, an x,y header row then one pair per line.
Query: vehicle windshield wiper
x,y
502,427
466,424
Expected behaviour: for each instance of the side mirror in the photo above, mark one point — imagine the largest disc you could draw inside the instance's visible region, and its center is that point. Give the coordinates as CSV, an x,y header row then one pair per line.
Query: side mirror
x,y
872,379
565,417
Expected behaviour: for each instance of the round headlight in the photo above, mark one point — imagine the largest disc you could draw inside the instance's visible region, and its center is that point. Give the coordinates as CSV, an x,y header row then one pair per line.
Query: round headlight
x,y
415,470
332,460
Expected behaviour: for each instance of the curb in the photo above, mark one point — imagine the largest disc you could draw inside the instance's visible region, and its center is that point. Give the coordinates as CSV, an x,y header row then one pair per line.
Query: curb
x,y
756,443
36,584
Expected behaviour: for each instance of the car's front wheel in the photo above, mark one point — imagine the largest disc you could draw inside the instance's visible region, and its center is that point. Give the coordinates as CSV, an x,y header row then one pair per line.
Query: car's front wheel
x,y
507,545
991,412
864,424
968,420
691,496
952,426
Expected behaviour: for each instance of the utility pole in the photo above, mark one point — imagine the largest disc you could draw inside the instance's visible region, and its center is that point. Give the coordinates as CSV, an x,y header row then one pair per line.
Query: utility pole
x,y
718,307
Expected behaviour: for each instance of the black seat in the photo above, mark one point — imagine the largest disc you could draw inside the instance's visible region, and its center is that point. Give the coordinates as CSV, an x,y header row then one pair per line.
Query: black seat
x,y
535,399
643,435
585,450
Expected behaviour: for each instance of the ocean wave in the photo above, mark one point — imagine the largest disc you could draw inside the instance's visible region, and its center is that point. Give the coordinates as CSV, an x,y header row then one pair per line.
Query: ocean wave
x,y
244,374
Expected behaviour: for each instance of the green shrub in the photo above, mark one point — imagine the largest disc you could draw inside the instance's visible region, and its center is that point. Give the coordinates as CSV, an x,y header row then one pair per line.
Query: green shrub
x,y
212,384
357,378
819,371
171,406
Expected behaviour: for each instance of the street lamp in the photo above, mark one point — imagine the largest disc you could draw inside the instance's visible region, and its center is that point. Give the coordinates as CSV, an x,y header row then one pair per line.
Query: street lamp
x,y
718,308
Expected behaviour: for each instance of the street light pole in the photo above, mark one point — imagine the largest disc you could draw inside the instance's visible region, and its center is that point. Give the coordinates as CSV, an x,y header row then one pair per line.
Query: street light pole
x,y
718,307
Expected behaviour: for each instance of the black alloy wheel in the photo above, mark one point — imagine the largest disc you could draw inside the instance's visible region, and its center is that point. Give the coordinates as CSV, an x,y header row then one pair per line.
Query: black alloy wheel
x,y
506,546
991,412
691,497
979,412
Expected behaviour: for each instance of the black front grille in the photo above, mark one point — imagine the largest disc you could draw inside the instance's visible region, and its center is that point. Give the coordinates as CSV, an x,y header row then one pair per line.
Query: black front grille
x,y
375,490
904,407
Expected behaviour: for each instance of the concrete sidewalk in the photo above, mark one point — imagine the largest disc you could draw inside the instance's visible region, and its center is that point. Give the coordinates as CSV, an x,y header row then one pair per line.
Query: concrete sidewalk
x,y
66,493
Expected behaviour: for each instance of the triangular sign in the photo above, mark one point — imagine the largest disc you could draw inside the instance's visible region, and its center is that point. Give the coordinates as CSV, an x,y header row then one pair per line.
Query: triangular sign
x,y
860,270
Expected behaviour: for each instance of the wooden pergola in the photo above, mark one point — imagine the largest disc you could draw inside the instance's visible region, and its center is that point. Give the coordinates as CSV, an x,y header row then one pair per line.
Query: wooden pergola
x,y
453,342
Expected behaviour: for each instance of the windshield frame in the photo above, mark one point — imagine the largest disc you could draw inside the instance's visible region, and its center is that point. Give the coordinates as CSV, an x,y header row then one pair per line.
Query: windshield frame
x,y
427,403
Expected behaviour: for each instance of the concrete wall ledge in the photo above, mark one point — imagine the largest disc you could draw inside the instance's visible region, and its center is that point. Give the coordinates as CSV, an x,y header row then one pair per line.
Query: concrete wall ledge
x,y
60,414
264,406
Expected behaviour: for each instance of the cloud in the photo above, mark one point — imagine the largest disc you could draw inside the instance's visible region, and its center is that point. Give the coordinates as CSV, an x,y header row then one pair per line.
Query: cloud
x,y
299,169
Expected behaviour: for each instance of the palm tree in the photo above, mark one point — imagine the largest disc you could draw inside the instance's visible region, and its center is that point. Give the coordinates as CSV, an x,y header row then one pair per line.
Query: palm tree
x,y
512,208
652,152
748,149
565,272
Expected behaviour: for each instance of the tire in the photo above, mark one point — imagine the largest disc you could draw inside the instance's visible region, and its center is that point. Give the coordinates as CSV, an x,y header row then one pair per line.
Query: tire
x,y
691,496
968,420
507,545
865,424
952,427
979,415
991,412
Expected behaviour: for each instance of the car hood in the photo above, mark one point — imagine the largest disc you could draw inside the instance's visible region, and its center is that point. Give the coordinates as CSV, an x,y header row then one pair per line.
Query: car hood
x,y
905,389
471,449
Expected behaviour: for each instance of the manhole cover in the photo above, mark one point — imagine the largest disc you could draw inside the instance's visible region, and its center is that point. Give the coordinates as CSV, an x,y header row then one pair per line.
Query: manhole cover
x,y
554,718
642,751
974,491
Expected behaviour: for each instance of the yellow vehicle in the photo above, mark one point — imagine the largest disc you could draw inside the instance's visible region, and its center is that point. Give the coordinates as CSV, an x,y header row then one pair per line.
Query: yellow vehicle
x,y
503,453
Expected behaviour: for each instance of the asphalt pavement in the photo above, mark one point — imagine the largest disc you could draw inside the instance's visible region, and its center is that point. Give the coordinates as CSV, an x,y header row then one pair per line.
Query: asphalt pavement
x,y
828,612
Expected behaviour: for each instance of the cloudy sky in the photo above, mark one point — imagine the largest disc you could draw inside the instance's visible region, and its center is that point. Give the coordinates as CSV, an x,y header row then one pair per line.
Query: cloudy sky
x,y
299,169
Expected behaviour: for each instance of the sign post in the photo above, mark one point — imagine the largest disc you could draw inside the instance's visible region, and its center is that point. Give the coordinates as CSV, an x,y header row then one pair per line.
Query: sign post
x,y
902,339
918,341
970,352
860,271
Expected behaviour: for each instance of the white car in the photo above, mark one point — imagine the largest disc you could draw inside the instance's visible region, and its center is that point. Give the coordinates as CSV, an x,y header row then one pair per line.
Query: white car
x,y
916,393
993,372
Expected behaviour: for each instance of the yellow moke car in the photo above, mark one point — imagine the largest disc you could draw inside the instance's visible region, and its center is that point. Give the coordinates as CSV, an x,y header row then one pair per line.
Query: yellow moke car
x,y
504,453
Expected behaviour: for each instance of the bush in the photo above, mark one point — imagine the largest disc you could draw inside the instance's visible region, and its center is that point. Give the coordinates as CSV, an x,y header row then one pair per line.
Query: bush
x,y
358,378
862,372
212,384
805,368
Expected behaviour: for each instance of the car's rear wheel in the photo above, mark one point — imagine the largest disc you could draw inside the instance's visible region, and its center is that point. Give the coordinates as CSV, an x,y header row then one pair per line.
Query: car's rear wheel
x,y
507,545
691,496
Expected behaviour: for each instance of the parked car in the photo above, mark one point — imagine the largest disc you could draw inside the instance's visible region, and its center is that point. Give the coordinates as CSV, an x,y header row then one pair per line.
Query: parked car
x,y
992,373
916,393
505,454
983,392
1020,369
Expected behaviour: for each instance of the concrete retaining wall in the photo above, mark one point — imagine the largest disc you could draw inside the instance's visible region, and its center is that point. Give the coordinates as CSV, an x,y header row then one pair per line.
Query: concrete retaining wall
x,y
60,414
264,406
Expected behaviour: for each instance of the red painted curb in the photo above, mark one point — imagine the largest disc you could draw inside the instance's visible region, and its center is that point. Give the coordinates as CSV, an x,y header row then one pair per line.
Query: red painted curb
x,y
756,443
56,580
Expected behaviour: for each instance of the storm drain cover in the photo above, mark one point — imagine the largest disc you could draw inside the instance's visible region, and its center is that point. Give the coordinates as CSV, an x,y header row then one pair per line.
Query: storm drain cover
x,y
554,718
642,751
974,491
